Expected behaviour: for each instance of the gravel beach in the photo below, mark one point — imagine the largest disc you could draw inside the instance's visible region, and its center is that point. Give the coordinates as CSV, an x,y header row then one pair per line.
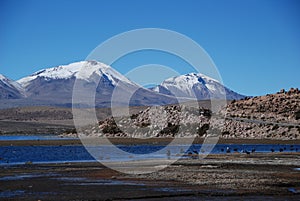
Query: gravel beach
x,y
235,176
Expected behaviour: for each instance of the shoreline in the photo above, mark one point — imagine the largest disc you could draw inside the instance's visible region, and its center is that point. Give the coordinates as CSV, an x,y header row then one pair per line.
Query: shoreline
x,y
134,141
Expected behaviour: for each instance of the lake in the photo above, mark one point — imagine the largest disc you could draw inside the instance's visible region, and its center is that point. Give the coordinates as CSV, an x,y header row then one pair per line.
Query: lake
x,y
33,137
10,155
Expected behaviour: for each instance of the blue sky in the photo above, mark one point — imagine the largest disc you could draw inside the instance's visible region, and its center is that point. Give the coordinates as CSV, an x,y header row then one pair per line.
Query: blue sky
x,y
254,43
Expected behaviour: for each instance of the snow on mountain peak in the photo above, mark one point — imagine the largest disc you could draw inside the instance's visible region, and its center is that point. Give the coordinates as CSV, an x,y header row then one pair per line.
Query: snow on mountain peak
x,y
80,70
2,77
186,83
195,77
195,85
11,84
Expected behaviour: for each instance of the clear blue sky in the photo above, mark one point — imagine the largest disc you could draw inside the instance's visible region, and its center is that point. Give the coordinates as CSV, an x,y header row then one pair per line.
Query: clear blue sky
x,y
254,43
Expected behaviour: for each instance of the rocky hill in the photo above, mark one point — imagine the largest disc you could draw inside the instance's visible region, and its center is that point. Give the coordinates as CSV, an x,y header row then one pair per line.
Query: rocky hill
x,y
275,116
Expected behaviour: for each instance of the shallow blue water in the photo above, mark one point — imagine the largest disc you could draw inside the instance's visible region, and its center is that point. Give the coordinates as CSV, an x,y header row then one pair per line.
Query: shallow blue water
x,y
22,154
218,149
76,153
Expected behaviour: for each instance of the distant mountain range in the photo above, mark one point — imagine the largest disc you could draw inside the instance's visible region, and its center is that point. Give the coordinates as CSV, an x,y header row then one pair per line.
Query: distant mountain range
x,y
54,86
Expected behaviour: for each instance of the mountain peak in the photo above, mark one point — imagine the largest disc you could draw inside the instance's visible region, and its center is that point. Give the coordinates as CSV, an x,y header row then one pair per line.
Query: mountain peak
x,y
196,85
80,70
196,76
9,89
2,77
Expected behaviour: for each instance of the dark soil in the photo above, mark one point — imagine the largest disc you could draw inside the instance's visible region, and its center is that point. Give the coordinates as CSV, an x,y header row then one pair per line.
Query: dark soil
x,y
215,178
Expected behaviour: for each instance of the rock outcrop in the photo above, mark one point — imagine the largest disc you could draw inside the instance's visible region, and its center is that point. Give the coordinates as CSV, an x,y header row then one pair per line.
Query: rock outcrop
x,y
157,121
275,116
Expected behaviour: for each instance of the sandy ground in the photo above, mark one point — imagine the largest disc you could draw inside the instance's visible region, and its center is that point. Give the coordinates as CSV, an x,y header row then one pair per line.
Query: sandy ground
x,y
272,176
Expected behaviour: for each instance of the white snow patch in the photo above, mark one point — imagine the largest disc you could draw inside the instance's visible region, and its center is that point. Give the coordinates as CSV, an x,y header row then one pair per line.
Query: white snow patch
x,y
211,87
80,70
2,77
184,85
12,84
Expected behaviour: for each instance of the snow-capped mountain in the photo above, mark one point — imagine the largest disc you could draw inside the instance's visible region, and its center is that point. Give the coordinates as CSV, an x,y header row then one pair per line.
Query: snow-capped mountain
x,y
10,89
54,86
84,70
197,86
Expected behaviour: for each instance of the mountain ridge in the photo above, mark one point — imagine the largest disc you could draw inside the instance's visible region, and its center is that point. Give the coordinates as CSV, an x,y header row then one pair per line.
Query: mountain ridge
x,y
196,85
54,87
10,89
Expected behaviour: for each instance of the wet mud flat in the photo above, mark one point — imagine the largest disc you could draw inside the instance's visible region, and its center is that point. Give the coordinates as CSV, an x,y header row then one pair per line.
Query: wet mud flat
x,y
81,181
268,176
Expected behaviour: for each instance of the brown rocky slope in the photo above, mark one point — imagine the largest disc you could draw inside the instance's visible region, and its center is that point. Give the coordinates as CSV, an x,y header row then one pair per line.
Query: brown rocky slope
x,y
275,116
